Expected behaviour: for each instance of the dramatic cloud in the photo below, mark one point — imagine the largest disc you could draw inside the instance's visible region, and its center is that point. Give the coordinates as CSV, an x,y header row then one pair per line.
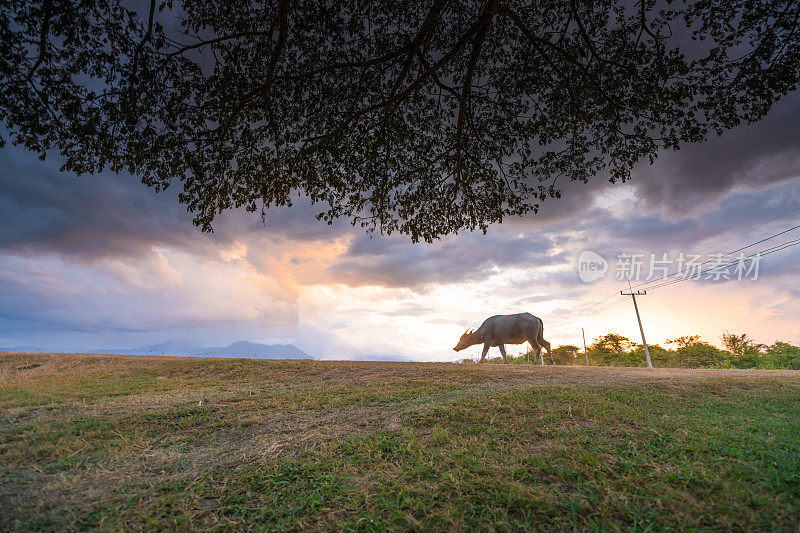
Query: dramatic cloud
x,y
44,210
103,261
395,262
751,157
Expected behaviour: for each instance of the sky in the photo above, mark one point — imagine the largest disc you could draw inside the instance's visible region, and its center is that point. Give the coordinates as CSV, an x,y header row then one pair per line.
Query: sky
x,y
104,262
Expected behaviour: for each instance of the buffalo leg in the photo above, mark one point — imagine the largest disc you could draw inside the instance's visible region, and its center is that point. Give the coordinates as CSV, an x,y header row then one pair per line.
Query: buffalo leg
x,y
485,351
503,353
536,349
542,342
549,355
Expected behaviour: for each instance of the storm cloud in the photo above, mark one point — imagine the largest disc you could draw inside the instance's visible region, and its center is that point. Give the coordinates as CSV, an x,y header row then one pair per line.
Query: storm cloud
x,y
105,257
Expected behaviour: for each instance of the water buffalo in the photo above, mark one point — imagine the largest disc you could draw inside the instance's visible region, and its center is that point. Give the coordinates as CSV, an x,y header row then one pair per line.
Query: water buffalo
x,y
500,330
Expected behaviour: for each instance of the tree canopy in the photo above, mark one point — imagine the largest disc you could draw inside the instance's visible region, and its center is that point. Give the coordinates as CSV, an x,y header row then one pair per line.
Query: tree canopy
x,y
420,117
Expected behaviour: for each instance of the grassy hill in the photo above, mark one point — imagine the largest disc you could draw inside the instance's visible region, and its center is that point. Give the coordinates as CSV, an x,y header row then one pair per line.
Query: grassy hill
x,y
129,442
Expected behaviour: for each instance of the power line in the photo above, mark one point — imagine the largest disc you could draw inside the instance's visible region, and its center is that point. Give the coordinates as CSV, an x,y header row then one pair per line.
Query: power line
x,y
589,308
766,251
762,240
610,305
584,311
647,283
787,213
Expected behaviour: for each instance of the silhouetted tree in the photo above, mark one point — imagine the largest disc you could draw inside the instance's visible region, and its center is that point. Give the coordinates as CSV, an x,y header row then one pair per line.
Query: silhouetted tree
x,y
613,343
566,355
783,355
739,344
419,117
686,340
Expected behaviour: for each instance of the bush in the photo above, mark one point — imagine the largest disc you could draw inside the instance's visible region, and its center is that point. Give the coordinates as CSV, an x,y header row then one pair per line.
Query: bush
x,y
783,355
698,355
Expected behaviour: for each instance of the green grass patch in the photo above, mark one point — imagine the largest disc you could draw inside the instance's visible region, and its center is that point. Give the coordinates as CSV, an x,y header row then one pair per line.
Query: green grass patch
x,y
274,446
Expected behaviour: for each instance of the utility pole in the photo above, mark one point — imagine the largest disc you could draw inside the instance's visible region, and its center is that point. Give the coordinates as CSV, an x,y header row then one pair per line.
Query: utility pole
x,y
641,329
584,347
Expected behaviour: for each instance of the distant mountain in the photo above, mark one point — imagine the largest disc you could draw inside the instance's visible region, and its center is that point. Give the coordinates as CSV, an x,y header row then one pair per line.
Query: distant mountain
x,y
258,351
171,347
237,349
378,357
29,349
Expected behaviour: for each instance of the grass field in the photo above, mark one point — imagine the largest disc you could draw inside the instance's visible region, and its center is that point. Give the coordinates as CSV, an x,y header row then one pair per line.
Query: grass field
x,y
121,442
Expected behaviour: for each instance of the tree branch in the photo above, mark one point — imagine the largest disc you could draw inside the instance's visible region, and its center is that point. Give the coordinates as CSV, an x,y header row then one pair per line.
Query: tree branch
x,y
489,13
585,36
137,53
42,39
398,98
277,50
281,22
186,48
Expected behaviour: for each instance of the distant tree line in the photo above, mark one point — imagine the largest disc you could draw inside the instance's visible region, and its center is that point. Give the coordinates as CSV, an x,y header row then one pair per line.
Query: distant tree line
x,y
613,349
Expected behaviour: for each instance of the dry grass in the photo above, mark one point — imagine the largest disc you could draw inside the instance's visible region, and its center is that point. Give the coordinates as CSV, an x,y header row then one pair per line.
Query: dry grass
x,y
150,442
